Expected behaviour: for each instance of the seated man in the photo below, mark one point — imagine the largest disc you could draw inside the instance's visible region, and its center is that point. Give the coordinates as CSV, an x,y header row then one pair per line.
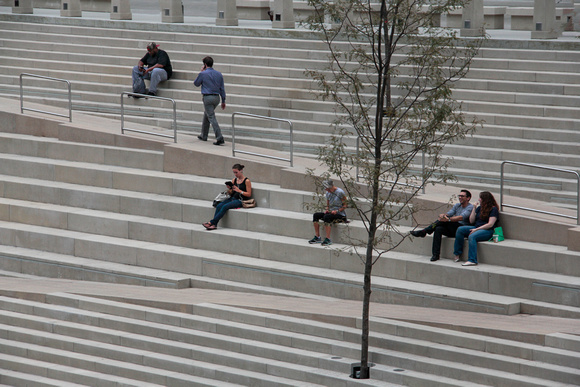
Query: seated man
x,y
335,206
448,223
155,66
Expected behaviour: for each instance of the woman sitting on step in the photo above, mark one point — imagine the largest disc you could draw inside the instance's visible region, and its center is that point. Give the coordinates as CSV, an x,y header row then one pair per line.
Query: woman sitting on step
x,y
242,190
484,217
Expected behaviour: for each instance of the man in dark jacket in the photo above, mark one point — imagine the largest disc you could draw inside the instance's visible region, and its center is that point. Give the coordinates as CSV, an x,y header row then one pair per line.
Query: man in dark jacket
x,y
154,66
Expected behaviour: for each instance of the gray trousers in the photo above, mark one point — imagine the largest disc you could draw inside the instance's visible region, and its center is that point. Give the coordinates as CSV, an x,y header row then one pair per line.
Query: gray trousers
x,y
210,102
156,76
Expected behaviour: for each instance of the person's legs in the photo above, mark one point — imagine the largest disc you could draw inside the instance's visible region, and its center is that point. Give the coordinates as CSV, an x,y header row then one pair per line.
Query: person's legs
x,y
460,235
477,236
328,220
427,230
223,207
204,124
443,228
138,83
157,75
210,102
316,219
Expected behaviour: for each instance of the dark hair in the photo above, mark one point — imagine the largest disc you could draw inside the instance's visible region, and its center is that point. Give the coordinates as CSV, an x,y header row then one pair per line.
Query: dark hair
x,y
467,193
239,167
487,203
208,61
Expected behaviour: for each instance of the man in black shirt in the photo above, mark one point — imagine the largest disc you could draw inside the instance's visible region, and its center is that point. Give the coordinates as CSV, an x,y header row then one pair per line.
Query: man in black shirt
x,y
155,66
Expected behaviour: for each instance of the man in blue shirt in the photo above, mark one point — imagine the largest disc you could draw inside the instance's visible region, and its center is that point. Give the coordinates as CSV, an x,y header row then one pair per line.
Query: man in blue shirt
x,y
448,223
212,89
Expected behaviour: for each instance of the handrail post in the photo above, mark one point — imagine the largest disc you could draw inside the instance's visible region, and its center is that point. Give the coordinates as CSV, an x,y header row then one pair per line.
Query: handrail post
x,y
22,108
174,123
291,126
577,217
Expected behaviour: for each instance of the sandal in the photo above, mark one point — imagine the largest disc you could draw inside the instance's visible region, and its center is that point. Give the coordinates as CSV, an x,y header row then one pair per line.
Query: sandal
x,y
211,227
206,224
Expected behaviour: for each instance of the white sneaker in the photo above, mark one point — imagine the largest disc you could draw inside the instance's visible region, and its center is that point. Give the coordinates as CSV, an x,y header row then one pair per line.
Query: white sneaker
x,y
469,263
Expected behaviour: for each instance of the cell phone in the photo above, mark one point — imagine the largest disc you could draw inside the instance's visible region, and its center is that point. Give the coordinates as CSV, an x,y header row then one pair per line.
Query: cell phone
x,y
229,184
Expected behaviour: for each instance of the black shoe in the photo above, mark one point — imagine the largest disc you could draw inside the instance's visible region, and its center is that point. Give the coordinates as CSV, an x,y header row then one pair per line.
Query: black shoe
x,y
434,258
219,142
152,93
201,138
418,233
135,96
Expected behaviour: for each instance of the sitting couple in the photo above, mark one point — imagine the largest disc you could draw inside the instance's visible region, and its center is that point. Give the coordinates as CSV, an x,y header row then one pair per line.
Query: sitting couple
x,y
477,223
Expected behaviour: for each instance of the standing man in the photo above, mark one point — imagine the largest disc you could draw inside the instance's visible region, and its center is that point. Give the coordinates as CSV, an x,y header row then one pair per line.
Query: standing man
x,y
335,206
154,66
448,223
212,89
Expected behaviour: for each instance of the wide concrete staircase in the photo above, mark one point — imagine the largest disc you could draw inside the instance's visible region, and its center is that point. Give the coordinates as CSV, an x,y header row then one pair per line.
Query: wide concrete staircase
x,y
80,211
80,340
528,95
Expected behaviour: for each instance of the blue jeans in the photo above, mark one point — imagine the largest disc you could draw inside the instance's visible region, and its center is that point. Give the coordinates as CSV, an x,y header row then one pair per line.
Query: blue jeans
x,y
156,76
210,102
477,236
223,207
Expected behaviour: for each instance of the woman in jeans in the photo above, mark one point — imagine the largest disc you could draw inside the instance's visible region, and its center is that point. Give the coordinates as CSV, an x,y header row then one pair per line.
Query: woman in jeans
x,y
242,190
484,217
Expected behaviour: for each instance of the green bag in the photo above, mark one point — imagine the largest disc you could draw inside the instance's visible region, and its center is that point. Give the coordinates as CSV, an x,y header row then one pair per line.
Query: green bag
x,y
497,235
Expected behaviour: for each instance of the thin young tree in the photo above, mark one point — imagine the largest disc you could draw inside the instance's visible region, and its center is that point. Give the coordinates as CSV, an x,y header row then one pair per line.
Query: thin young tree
x,y
390,74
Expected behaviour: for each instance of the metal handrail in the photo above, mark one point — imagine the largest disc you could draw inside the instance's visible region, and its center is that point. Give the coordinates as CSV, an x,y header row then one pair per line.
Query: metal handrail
x,y
422,186
502,204
123,129
22,108
291,159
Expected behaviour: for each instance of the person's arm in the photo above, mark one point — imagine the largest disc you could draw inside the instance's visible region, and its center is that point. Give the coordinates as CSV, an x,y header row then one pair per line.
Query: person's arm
x,y
223,93
248,192
472,215
198,81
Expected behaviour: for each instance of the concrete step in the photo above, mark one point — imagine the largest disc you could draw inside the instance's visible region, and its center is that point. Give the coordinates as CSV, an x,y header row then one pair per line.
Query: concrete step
x,y
263,326
303,341
51,148
148,373
17,379
178,349
347,346
66,375
291,276
232,267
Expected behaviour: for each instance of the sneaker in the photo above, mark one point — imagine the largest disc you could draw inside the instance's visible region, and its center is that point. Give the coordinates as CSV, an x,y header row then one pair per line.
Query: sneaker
x,y
326,242
316,239
469,263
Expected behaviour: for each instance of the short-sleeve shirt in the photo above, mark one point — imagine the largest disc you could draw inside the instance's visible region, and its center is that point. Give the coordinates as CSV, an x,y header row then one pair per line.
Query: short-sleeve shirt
x,y
335,200
162,58
479,221
457,210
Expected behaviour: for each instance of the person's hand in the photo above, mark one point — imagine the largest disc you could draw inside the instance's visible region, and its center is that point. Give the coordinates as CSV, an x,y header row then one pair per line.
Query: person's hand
x,y
333,212
472,231
223,105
